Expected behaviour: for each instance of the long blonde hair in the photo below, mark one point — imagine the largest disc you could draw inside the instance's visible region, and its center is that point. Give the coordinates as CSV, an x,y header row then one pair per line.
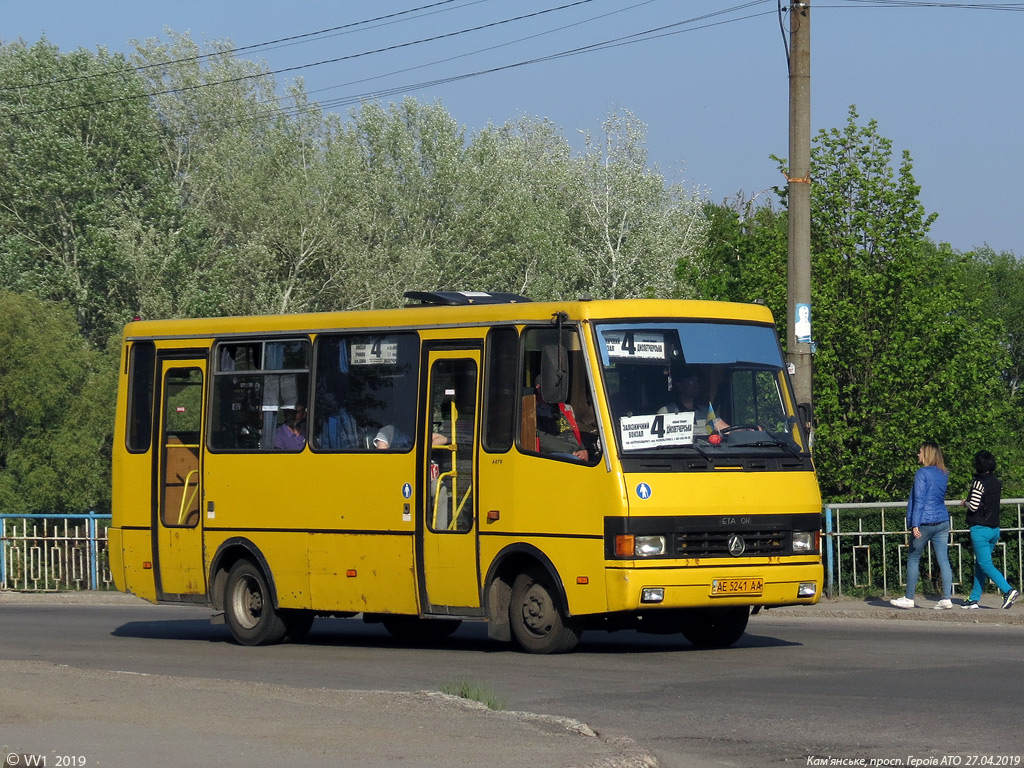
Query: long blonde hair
x,y
931,456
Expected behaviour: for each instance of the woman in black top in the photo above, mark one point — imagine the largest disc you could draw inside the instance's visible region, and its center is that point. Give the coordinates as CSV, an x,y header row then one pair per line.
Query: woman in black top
x,y
982,504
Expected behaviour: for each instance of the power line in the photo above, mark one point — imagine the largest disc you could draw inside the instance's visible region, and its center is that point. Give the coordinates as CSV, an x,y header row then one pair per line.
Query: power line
x,y
282,42
637,37
933,4
486,49
298,67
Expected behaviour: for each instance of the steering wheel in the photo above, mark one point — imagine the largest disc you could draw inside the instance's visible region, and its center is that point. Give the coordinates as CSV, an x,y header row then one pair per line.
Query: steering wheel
x,y
741,428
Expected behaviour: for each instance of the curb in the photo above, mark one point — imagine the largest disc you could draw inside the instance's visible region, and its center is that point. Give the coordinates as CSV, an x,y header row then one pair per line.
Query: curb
x,y
879,609
632,755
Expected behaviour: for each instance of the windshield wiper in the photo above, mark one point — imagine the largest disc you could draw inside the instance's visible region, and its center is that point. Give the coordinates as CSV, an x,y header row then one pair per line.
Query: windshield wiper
x,y
777,441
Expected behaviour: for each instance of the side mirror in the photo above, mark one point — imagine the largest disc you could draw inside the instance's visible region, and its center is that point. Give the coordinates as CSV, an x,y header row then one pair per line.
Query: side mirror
x,y
554,374
804,412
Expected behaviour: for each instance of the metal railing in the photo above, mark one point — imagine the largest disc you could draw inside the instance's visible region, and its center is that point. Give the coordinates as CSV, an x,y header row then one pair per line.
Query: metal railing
x,y
865,550
41,553
866,547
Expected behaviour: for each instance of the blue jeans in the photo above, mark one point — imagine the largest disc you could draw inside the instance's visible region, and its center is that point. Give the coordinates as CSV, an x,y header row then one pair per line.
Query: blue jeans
x,y
938,535
984,540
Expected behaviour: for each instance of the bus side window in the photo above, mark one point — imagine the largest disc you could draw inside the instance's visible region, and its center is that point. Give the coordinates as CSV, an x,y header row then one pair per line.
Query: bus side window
x,y
501,390
563,430
258,387
365,392
141,372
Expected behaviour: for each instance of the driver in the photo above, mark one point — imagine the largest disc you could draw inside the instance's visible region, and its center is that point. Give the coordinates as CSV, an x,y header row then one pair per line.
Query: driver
x,y
685,391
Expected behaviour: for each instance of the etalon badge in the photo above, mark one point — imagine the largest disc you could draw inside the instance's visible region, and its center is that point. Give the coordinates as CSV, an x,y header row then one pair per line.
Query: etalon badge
x,y
736,545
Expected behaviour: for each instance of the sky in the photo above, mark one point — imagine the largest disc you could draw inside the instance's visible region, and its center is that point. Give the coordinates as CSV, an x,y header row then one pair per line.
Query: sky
x,y
943,80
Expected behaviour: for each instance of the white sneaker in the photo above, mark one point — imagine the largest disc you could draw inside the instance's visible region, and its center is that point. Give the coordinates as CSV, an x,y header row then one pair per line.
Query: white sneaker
x,y
902,602
943,605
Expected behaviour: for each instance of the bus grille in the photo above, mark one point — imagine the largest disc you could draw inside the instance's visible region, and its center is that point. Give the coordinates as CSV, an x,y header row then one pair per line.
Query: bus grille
x,y
716,544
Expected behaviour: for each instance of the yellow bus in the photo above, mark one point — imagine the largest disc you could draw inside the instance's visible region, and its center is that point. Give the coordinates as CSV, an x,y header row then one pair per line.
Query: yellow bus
x,y
542,467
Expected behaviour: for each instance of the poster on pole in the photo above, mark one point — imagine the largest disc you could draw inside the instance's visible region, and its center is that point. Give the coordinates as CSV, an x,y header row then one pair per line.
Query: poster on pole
x,y
802,323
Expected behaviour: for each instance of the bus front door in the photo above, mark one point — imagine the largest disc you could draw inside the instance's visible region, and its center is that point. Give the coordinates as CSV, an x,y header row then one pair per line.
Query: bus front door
x,y
181,574
447,556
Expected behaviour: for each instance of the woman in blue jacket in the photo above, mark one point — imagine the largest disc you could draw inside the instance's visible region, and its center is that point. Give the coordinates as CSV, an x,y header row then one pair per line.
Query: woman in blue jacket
x,y
928,519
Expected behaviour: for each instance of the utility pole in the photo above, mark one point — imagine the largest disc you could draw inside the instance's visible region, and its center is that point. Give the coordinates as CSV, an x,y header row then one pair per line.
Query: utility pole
x,y
798,336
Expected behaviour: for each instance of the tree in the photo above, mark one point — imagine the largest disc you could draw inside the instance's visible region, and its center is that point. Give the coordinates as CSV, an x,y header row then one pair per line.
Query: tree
x,y
79,166
997,279
56,407
251,182
635,230
904,354
747,254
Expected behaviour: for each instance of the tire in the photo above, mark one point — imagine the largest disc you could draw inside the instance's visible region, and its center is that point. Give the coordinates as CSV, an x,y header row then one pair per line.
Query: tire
x,y
248,608
538,622
715,627
413,629
297,624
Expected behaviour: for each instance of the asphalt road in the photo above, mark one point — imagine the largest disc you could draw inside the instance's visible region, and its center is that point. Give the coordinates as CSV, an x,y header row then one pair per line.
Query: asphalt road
x,y
797,687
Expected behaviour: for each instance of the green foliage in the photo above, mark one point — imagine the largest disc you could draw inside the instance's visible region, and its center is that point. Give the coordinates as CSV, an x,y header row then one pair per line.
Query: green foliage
x,y
904,354
79,167
747,246
481,692
56,409
908,346
638,238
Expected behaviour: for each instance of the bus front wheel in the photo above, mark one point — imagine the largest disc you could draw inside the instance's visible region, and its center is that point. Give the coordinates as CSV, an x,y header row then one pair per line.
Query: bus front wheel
x,y
715,627
539,624
248,608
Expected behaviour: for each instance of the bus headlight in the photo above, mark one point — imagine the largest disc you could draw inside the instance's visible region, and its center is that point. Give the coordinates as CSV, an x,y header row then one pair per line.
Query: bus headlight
x,y
649,546
805,542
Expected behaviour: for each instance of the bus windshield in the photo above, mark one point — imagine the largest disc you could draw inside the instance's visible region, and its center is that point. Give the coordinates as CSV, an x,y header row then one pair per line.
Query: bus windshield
x,y
683,387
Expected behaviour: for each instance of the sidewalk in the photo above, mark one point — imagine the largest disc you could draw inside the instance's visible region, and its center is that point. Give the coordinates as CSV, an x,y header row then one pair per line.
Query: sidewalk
x,y
990,611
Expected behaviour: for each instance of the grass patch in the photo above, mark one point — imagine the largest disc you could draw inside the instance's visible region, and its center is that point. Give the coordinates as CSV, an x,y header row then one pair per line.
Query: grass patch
x,y
474,692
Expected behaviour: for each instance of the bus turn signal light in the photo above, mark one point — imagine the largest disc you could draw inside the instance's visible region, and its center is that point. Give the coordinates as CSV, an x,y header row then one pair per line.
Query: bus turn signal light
x,y
624,544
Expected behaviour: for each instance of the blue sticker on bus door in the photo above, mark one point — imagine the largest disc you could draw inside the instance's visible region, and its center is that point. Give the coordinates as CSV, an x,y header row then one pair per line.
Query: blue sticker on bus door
x,y
644,491
407,491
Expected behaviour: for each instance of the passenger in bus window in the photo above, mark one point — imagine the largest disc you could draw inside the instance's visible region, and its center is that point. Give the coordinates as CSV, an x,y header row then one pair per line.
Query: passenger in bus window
x,y
291,434
558,432
685,393
389,438
339,432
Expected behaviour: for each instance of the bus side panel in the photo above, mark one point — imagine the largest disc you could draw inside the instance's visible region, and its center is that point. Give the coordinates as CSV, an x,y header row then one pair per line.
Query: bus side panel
x,y
578,562
372,573
130,541
115,558
558,507
136,547
283,552
317,516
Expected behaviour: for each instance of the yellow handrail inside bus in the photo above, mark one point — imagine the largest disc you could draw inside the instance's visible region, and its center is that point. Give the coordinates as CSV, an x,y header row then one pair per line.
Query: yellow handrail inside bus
x,y
186,506
453,473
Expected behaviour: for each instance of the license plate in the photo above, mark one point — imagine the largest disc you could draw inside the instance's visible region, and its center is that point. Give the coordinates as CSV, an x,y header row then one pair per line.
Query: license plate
x,y
737,586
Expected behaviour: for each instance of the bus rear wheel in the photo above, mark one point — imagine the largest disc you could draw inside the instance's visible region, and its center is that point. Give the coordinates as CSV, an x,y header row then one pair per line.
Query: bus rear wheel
x,y
539,624
715,627
248,608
